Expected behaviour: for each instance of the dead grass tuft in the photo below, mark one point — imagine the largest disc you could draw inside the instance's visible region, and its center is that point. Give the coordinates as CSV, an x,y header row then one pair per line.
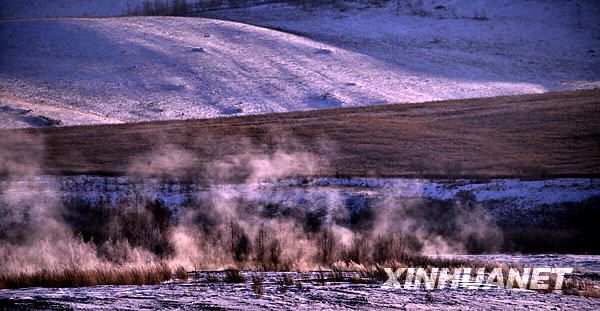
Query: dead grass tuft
x,y
287,280
181,274
258,284
580,287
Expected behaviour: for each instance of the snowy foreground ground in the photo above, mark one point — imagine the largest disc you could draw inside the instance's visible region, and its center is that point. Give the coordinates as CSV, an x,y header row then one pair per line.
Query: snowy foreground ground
x,y
198,293
122,69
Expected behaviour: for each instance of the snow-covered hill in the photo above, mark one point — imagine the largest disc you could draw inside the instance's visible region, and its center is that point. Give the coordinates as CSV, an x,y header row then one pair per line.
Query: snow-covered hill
x,y
121,69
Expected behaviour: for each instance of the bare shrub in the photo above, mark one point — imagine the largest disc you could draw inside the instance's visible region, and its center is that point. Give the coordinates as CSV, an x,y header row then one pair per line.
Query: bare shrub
x,y
260,247
359,251
116,230
275,253
321,277
386,248
327,246
284,282
287,280
212,278
240,243
257,284
337,276
428,297
234,276
268,250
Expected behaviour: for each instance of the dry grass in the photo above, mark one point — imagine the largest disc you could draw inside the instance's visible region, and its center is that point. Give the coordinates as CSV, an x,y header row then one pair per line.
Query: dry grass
x,y
181,274
531,136
287,280
79,277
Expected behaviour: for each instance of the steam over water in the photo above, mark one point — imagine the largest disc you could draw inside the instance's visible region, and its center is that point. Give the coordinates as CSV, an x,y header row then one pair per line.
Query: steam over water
x,y
276,218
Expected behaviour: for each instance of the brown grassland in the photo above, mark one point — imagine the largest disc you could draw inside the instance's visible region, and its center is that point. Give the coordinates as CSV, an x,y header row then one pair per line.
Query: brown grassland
x,y
529,136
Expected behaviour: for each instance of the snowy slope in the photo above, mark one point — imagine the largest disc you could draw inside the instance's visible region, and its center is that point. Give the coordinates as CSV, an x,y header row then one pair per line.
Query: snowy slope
x,y
111,70
548,44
